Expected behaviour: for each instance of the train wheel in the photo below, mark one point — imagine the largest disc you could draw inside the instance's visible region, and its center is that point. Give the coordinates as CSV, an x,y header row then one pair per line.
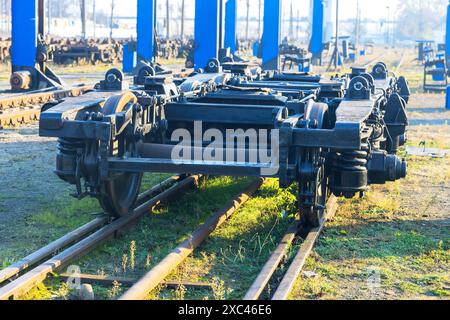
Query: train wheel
x,y
314,214
118,194
313,183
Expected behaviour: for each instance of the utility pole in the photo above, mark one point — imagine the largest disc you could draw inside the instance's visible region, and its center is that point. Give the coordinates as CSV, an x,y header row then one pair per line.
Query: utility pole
x,y
291,22
167,20
394,29
247,22
111,25
336,44
83,18
388,31
358,25
49,16
182,19
94,17
259,19
298,24
3,17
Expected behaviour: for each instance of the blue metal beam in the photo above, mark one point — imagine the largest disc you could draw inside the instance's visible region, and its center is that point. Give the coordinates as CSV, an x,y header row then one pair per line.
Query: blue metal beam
x,y
208,23
316,46
24,33
230,25
447,35
146,13
271,37
447,52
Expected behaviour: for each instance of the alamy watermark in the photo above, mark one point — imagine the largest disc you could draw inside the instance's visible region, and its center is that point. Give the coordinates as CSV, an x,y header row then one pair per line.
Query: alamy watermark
x,y
249,146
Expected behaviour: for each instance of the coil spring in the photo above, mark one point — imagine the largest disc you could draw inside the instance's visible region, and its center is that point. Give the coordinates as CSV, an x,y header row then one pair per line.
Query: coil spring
x,y
68,146
352,160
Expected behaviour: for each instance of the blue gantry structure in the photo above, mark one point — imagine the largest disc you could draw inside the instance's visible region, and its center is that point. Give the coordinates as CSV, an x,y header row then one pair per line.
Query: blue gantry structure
x,y
231,25
316,44
447,53
215,28
271,35
29,52
24,34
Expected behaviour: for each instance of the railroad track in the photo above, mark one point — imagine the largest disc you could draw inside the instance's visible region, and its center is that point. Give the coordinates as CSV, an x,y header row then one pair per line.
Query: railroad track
x,y
18,109
21,278
157,274
401,61
285,286
25,274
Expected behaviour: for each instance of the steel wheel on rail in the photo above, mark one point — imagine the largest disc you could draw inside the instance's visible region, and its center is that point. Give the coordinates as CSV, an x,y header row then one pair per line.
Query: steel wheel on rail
x,y
313,186
118,195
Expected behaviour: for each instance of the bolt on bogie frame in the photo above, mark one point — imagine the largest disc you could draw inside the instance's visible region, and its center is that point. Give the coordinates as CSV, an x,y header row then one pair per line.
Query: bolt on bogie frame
x,y
327,135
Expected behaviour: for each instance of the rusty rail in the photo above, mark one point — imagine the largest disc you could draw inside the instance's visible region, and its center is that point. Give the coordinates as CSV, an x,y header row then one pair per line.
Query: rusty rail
x,y
157,275
285,287
74,236
24,283
279,255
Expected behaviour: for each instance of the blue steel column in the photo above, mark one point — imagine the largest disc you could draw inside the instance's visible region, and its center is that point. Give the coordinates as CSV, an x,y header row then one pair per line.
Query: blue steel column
x,y
146,10
316,46
207,31
271,35
230,25
24,33
447,53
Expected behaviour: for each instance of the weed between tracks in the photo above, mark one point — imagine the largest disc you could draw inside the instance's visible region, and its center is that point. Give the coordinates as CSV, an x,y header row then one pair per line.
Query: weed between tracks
x,y
229,260
395,243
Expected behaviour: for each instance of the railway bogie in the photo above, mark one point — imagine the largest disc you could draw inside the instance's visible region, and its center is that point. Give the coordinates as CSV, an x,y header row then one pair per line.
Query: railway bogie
x,y
325,135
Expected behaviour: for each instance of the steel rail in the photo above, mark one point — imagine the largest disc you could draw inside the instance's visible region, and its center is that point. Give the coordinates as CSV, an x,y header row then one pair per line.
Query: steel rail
x,y
24,283
50,249
18,117
271,266
281,252
400,63
287,283
157,274
73,236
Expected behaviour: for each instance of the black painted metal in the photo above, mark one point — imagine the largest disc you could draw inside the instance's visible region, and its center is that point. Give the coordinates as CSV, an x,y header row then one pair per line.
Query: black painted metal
x,y
328,135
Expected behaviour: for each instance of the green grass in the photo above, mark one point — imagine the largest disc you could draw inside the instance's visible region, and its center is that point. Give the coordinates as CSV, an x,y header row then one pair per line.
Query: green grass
x,y
411,251
230,259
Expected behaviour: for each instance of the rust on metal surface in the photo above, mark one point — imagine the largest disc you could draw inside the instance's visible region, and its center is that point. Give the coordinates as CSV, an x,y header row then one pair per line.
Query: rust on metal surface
x,y
280,253
50,249
289,279
23,284
157,275
57,245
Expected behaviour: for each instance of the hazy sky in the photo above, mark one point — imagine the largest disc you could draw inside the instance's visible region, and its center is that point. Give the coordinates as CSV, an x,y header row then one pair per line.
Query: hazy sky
x,y
369,8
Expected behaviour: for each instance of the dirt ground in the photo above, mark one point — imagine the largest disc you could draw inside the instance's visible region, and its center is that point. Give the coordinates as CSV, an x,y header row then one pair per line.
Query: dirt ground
x,y
395,243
